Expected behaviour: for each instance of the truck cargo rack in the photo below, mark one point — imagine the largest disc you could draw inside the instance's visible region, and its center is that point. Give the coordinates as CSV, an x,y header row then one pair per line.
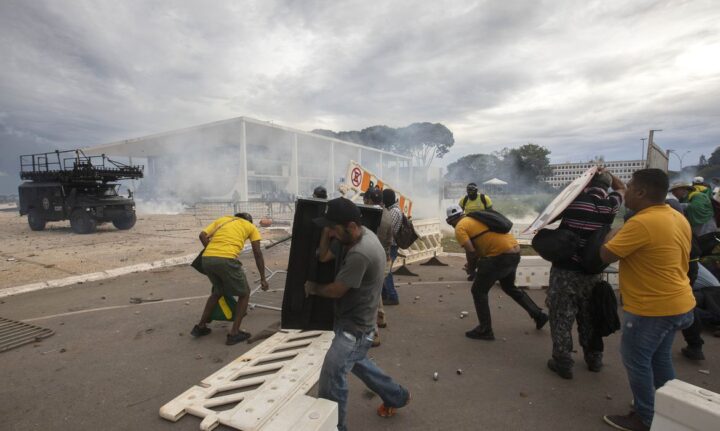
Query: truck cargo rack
x,y
74,166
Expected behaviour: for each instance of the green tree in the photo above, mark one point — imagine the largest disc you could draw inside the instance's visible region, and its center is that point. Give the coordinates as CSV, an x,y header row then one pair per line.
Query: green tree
x,y
527,166
715,157
425,141
474,168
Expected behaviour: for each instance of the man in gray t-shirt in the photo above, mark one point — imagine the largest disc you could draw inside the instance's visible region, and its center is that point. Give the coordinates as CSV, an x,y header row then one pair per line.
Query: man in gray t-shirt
x,y
356,290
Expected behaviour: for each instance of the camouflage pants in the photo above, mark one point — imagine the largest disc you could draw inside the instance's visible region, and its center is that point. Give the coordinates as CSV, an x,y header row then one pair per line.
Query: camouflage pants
x,y
568,299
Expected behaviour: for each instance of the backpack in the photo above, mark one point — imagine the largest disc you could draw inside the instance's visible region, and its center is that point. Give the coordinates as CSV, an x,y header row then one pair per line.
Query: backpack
x,y
590,255
555,245
603,309
495,221
482,199
406,235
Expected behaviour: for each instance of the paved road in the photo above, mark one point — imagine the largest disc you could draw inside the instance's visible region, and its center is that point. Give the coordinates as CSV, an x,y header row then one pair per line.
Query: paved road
x,y
112,369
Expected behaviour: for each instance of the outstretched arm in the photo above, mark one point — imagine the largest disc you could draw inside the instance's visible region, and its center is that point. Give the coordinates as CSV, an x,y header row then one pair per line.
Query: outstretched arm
x,y
260,262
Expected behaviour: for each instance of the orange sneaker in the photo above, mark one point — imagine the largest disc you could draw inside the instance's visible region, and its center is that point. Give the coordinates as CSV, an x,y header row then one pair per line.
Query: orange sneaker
x,y
388,412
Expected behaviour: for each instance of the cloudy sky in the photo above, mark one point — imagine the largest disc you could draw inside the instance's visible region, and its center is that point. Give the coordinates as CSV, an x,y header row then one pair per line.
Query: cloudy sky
x,y
582,78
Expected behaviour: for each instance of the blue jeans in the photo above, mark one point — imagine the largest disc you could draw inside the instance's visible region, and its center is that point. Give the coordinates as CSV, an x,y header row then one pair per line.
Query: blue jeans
x,y
388,289
646,353
348,352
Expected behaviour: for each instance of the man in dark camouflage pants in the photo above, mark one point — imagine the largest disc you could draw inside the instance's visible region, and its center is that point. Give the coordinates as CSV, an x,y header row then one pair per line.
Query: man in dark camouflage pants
x,y
570,290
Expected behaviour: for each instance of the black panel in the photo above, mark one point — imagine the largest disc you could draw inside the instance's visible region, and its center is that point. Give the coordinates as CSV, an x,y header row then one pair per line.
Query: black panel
x,y
314,313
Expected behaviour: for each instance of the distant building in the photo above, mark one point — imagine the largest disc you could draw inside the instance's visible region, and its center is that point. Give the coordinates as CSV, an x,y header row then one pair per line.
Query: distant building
x,y
564,173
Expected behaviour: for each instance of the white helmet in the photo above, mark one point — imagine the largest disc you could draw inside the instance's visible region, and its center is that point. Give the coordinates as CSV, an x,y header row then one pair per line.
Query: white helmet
x,y
698,180
454,211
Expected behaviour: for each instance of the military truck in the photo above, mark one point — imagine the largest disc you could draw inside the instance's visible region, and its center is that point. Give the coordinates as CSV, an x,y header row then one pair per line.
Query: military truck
x,y
68,185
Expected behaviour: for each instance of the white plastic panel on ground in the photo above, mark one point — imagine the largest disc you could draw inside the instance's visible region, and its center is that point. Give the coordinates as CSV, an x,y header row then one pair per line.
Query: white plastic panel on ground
x,y
427,246
680,406
264,389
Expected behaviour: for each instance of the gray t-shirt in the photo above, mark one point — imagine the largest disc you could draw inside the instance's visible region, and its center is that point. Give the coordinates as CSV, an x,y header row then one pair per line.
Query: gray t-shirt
x,y
362,271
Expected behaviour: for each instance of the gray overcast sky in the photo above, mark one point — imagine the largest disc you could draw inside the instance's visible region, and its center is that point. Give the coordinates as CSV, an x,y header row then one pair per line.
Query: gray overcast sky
x,y
583,78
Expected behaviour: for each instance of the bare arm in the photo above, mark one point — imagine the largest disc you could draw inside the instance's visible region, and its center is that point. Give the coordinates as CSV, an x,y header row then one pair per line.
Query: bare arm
x,y
204,239
333,290
606,255
260,262
616,184
324,253
470,256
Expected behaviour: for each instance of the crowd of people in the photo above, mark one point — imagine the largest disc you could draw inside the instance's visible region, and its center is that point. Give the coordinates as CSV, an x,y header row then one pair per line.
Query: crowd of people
x,y
666,230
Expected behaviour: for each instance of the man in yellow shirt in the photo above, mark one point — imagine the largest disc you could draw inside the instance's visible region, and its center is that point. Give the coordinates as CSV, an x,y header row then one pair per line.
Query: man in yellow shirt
x,y
495,257
654,249
474,201
224,240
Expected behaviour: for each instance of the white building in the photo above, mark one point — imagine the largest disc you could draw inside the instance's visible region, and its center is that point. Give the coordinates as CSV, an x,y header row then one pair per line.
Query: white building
x,y
244,159
564,173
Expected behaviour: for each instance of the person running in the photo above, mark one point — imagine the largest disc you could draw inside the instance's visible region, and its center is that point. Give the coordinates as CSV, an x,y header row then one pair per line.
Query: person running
x,y
494,257
389,293
356,291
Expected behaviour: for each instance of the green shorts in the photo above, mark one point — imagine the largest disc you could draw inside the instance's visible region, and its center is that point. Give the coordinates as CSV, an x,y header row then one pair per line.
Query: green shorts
x,y
226,275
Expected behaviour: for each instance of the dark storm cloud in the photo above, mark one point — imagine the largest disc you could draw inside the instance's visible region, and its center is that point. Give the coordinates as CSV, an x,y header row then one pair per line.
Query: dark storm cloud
x,y
584,79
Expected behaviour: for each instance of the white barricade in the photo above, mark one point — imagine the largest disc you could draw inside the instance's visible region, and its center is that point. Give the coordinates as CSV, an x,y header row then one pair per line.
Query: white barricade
x,y
427,246
680,406
266,388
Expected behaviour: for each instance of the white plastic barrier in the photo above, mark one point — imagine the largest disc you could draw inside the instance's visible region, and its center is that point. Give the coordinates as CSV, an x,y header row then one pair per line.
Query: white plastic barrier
x,y
265,387
427,246
680,406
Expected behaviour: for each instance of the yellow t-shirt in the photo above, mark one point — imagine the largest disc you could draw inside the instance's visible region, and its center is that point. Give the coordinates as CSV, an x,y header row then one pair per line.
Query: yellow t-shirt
x,y
486,245
229,240
475,204
654,251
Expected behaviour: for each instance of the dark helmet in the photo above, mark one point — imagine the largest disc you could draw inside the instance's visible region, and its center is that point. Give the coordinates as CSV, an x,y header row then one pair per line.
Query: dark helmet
x,y
320,192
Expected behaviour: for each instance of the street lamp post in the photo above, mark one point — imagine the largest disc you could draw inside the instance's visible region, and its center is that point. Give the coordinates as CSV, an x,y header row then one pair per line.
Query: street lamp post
x,y
642,152
679,157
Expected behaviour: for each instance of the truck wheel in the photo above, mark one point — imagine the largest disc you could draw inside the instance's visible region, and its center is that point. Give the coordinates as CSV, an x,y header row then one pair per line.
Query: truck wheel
x,y
81,222
125,223
36,220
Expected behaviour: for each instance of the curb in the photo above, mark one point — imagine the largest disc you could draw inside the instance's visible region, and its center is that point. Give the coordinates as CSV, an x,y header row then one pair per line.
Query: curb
x,y
95,276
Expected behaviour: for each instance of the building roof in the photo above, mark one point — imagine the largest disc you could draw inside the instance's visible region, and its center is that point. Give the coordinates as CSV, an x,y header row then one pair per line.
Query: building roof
x,y
172,141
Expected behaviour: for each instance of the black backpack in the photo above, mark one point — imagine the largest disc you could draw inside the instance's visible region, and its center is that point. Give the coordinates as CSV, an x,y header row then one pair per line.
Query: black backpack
x,y
495,221
590,255
555,245
603,309
406,235
482,199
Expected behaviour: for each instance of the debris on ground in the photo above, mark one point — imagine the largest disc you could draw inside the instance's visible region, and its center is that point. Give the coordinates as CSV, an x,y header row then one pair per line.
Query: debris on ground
x,y
608,397
464,314
198,356
523,395
136,300
707,372
459,371
436,376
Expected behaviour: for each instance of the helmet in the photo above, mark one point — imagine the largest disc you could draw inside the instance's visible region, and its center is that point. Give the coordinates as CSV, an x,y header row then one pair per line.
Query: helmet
x,y
698,180
472,186
454,211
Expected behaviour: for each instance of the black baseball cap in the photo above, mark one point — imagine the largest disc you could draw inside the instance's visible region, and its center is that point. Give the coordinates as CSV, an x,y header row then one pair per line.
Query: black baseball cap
x,y
339,211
